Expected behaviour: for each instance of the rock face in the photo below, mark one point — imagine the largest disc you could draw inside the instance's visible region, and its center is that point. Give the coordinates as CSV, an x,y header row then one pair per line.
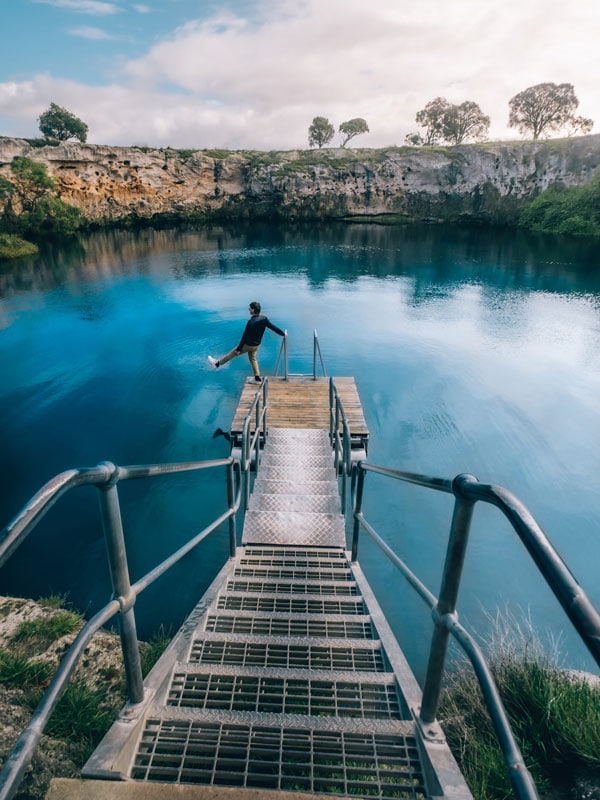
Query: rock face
x,y
487,182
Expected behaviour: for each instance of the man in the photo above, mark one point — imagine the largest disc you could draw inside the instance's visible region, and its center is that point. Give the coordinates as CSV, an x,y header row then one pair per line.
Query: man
x,y
250,341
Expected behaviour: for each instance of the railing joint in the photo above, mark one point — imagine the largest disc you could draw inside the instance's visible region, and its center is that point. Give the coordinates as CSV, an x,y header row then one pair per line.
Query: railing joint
x,y
448,619
126,602
112,475
460,482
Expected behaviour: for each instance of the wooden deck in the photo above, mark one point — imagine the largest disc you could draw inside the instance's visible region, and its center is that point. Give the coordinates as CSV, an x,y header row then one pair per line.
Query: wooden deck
x,y
302,402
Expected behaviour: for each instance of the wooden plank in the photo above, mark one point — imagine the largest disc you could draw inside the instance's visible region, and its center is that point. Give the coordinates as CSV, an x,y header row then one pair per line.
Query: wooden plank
x,y
301,402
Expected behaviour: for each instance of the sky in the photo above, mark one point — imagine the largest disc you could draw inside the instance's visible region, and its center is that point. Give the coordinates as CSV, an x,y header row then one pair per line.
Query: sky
x,y
252,74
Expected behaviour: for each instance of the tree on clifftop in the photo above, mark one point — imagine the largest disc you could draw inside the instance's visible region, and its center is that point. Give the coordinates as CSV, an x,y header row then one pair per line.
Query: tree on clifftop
x,y
432,119
320,132
446,122
547,107
59,124
353,127
466,121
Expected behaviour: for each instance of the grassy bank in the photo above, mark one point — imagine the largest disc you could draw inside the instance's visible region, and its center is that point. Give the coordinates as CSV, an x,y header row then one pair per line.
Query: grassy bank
x,y
555,716
14,247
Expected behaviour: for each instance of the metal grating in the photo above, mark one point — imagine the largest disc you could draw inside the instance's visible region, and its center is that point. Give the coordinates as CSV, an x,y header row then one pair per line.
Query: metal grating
x,y
291,605
291,552
277,587
332,629
285,759
276,695
293,574
305,560
288,656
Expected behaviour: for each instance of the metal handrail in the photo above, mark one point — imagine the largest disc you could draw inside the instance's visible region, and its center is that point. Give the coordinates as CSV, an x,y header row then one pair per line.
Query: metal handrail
x,y
582,614
251,444
341,445
283,350
105,477
317,350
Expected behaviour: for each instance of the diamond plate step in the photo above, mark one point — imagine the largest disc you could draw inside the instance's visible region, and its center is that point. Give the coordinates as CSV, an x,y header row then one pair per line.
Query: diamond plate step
x,y
298,473
268,486
319,503
294,527
298,436
284,459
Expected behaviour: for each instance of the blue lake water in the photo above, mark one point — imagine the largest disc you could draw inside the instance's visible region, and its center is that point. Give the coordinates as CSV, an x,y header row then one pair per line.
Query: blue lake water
x,y
473,352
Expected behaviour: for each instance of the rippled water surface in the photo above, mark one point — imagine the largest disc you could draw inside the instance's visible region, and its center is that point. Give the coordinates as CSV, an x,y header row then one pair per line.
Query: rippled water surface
x,y
472,351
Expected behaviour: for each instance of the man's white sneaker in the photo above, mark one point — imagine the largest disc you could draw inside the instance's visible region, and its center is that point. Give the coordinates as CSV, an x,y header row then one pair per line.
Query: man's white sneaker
x,y
213,362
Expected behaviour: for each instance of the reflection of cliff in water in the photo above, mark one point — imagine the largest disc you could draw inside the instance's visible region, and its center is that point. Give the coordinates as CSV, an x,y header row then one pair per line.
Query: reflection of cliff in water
x,y
504,258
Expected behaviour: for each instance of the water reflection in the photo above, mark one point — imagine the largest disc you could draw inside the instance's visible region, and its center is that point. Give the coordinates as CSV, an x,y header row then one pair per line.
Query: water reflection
x,y
506,259
473,351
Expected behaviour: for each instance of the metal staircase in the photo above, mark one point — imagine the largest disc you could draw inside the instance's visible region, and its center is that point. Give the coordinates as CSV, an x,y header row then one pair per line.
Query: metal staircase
x,y
286,676
295,499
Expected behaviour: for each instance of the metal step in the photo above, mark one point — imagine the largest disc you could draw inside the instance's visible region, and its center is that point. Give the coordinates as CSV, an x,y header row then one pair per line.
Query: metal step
x,y
316,503
291,527
287,486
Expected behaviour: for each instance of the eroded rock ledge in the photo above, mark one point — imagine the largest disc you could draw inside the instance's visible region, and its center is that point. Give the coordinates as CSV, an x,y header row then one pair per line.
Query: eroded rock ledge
x,y
487,182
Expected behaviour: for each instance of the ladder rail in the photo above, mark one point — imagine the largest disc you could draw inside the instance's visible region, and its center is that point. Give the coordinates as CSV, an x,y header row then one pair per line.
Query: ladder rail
x,y
105,477
578,607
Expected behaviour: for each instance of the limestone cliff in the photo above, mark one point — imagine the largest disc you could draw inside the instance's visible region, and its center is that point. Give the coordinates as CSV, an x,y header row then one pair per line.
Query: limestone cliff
x,y
487,182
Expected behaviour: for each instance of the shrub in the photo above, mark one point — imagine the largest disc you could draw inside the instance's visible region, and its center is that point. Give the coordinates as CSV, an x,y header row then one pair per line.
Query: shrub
x,y
12,246
572,212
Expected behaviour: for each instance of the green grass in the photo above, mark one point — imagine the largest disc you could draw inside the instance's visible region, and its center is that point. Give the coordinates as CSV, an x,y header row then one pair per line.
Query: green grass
x,y
555,718
154,648
53,601
47,628
81,716
14,247
19,672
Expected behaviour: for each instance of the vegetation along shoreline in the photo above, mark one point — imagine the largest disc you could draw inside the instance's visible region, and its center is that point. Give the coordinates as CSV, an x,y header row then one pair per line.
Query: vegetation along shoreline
x,y
54,190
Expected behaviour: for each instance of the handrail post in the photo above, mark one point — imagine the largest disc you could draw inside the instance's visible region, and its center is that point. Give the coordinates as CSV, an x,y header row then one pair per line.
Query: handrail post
x,y
357,510
246,461
231,504
314,355
331,439
119,575
446,605
345,460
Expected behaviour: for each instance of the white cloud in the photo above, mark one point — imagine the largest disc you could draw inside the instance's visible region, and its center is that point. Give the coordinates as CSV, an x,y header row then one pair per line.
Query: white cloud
x,y
96,34
256,82
95,7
